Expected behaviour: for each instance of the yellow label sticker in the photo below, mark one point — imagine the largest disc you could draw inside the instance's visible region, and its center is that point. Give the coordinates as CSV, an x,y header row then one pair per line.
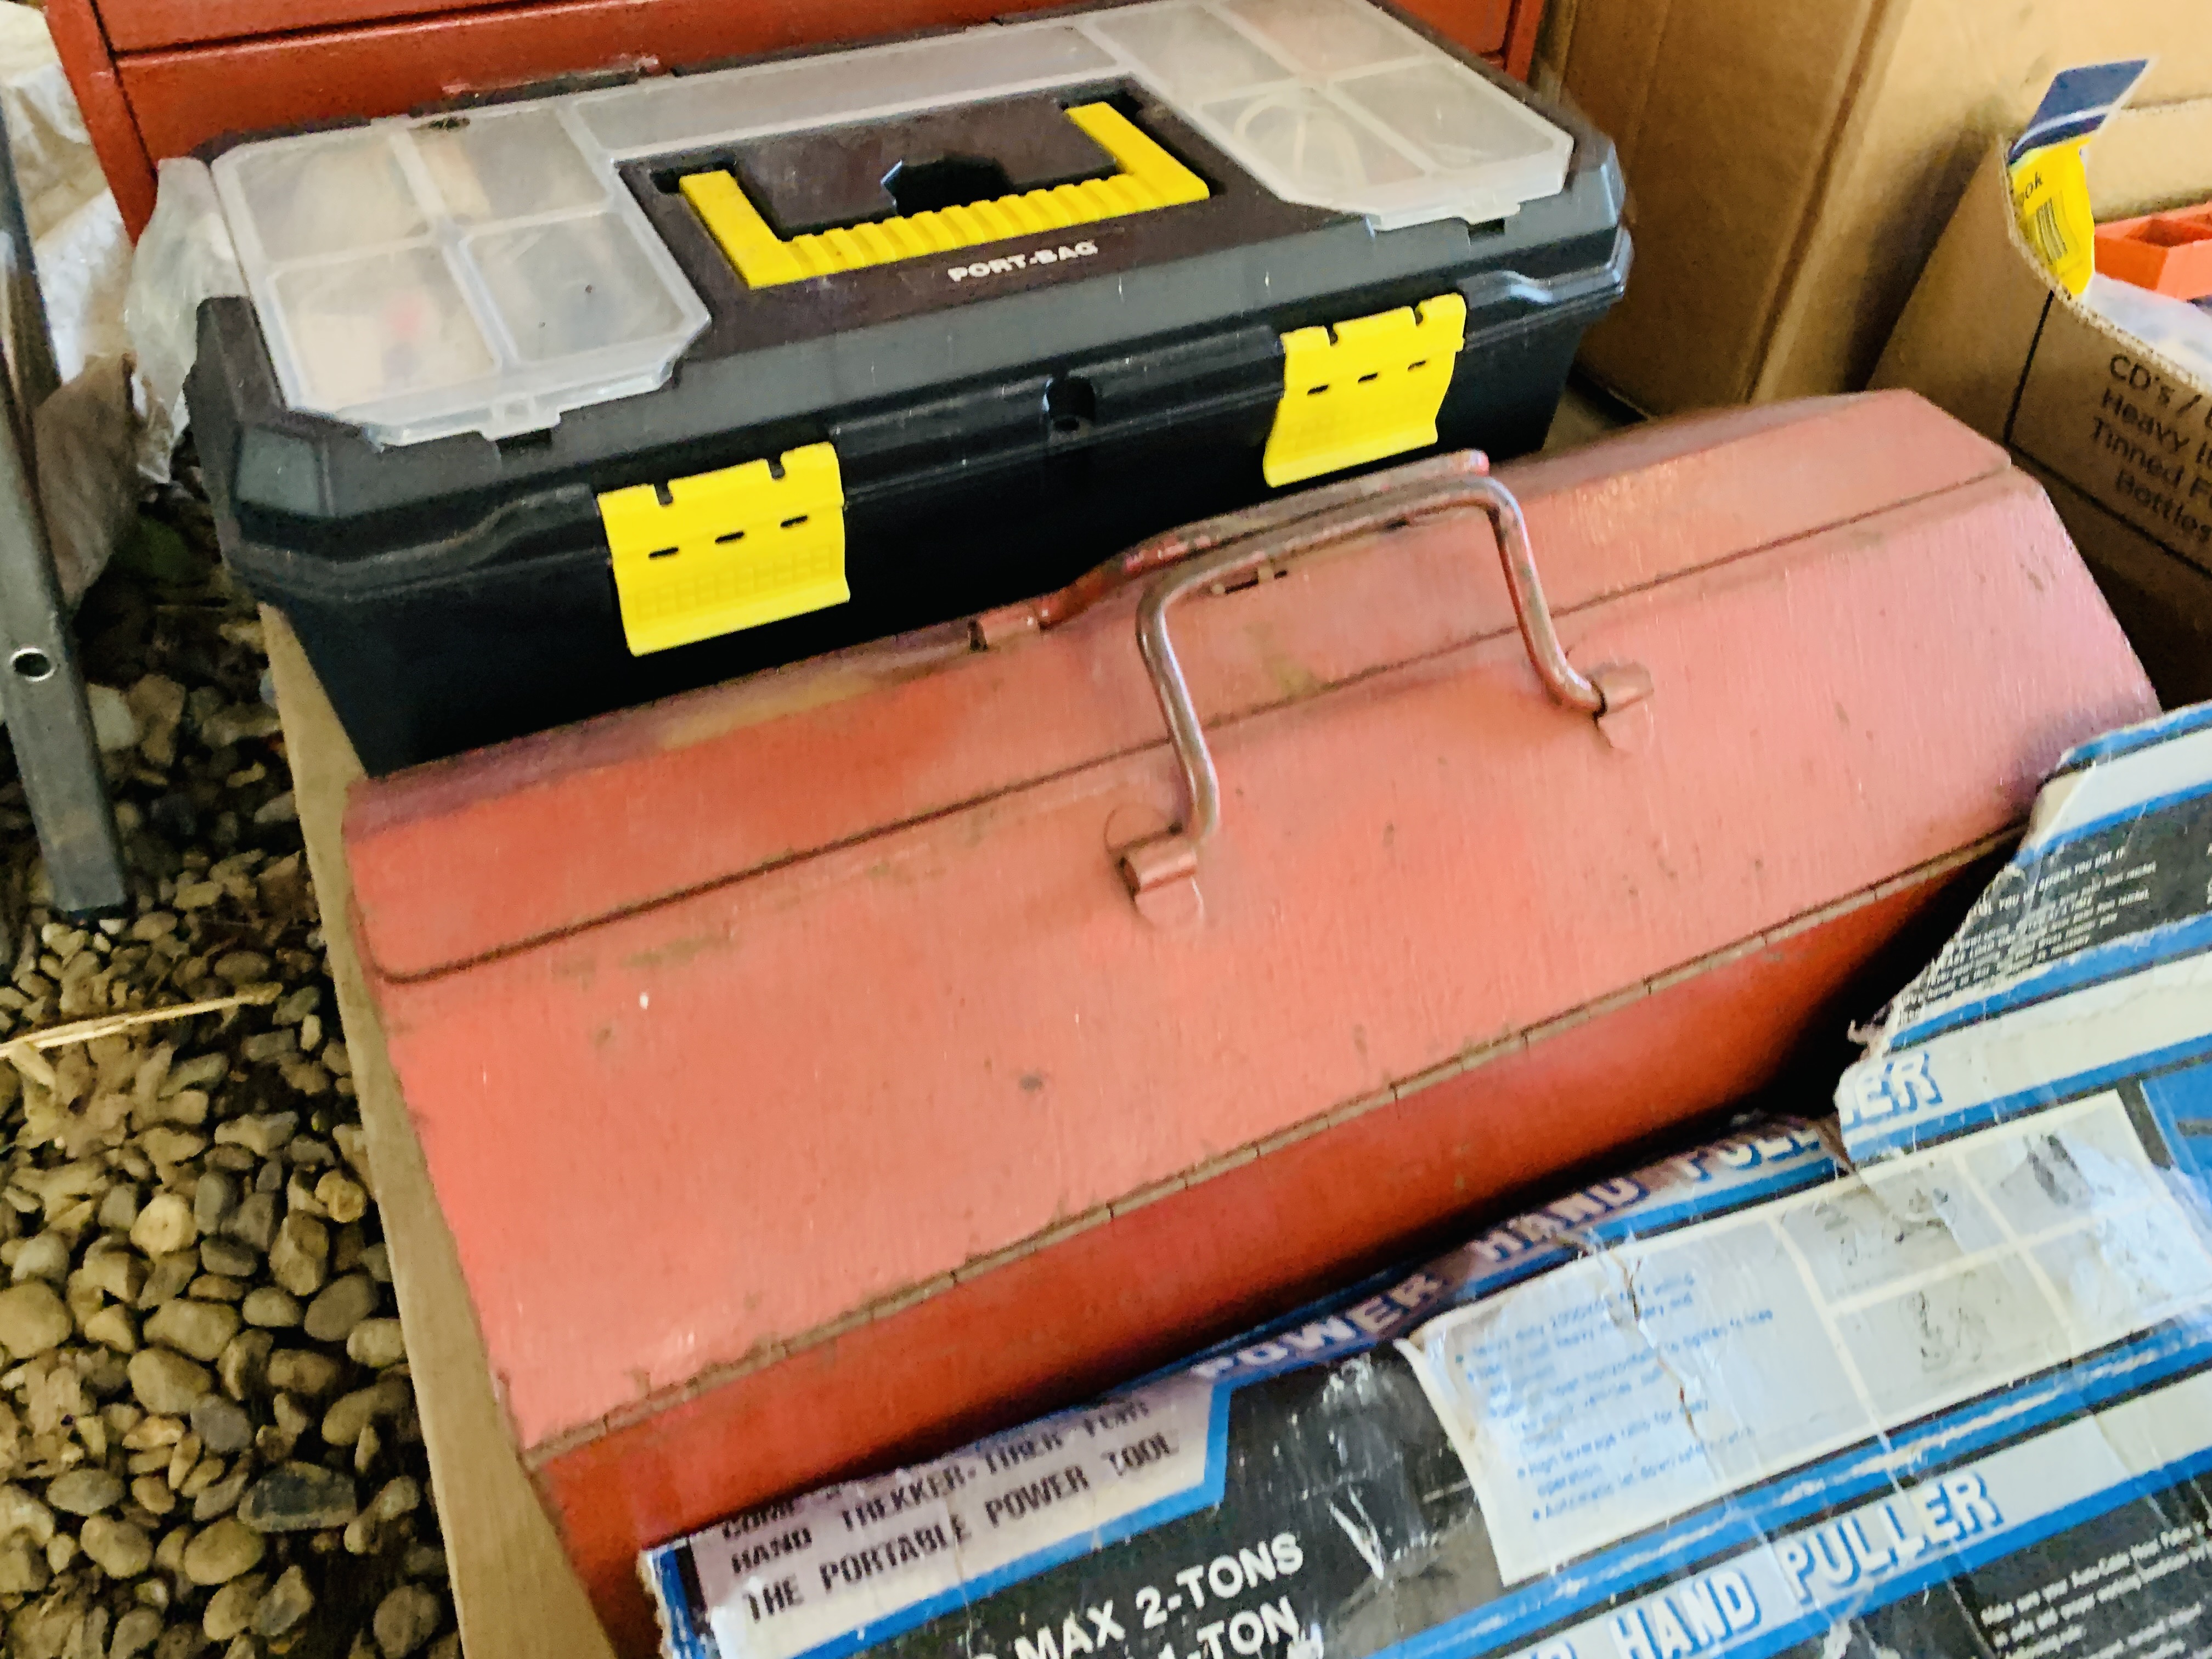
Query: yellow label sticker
x,y
2050,184
2051,199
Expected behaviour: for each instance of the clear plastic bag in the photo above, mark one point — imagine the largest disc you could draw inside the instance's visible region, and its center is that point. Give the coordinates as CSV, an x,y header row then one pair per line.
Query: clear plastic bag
x,y
185,256
2176,330
86,434
82,255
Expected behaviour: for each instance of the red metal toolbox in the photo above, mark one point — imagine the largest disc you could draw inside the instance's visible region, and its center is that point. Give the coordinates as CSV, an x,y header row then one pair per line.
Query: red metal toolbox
x,y
779,1050
157,78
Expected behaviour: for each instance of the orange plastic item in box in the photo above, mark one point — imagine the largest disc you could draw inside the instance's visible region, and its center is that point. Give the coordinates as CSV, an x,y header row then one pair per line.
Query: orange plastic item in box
x,y
805,1089
2169,253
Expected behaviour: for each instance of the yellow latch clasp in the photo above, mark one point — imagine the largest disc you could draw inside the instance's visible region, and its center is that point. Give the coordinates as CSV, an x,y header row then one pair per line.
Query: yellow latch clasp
x,y
1368,387
702,556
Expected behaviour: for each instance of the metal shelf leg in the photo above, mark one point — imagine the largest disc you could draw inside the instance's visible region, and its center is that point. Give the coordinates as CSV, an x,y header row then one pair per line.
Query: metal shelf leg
x,y
40,686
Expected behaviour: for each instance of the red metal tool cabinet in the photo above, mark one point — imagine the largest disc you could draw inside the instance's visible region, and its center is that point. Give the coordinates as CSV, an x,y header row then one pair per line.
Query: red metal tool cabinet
x,y
805,1088
156,78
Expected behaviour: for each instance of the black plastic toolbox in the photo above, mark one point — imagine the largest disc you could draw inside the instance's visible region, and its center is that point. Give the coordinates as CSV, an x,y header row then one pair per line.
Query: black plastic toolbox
x,y
1086,294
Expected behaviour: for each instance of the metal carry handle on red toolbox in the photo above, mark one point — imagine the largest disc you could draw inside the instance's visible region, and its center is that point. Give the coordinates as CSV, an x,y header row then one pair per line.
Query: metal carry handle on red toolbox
x,y
1254,542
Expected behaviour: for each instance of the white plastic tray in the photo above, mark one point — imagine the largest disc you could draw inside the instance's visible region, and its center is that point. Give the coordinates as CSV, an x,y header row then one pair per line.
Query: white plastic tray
x,y
485,272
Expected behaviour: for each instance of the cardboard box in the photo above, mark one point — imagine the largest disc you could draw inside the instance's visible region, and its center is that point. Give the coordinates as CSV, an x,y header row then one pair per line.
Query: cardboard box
x,y
1790,166
2122,439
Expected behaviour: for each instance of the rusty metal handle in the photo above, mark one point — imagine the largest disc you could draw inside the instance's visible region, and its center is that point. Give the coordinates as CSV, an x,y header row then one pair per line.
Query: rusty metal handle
x,y
1329,512
1461,482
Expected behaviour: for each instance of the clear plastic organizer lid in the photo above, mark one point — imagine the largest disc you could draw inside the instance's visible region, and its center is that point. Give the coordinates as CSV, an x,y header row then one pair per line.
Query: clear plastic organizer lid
x,y
477,273
484,272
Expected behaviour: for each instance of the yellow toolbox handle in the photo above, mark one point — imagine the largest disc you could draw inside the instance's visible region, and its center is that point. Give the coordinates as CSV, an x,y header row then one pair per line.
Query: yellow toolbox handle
x,y
1149,179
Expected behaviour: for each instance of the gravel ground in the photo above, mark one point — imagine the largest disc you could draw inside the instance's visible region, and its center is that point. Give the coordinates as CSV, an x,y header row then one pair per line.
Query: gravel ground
x,y
208,1436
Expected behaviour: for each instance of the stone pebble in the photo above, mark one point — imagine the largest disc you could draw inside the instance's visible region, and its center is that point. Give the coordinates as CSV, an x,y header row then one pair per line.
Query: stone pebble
x,y
204,1399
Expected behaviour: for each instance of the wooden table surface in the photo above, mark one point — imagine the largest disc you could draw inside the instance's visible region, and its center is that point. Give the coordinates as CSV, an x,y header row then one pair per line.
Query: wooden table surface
x,y
514,1592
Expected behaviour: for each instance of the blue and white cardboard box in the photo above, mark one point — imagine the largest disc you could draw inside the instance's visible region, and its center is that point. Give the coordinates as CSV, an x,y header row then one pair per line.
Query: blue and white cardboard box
x,y
1932,1378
